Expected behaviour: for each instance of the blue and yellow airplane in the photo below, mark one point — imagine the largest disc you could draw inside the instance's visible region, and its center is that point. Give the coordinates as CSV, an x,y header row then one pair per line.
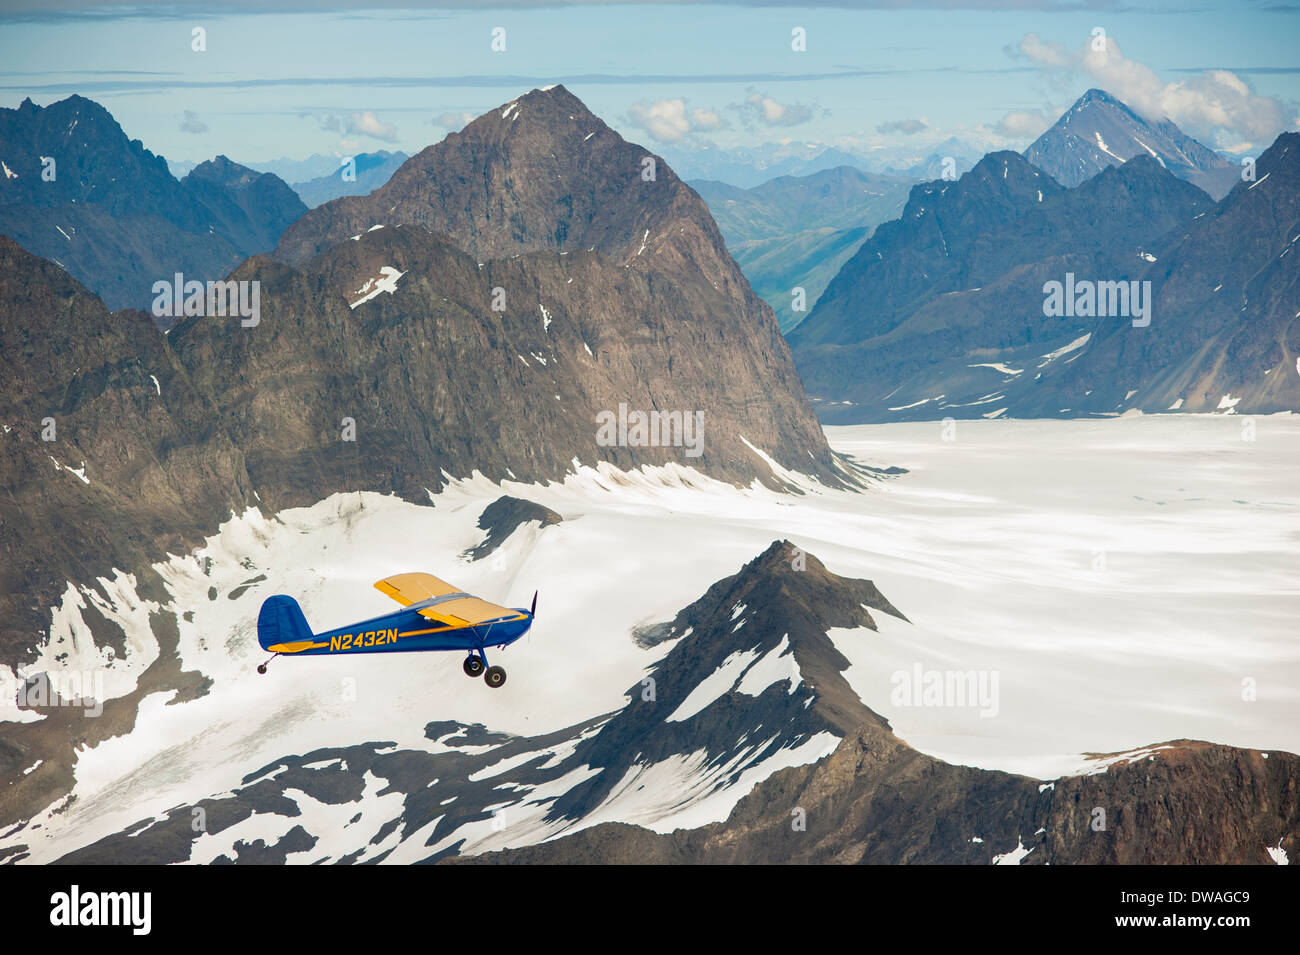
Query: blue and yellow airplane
x,y
437,616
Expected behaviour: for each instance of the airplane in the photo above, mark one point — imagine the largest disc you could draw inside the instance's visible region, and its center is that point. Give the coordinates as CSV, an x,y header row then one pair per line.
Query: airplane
x,y
437,616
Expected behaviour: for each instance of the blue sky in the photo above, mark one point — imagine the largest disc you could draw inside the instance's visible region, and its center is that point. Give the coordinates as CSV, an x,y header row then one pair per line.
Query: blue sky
x,y
274,84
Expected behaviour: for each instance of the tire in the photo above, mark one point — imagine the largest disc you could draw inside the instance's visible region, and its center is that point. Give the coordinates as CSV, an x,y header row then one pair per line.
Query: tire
x,y
473,666
494,677
261,668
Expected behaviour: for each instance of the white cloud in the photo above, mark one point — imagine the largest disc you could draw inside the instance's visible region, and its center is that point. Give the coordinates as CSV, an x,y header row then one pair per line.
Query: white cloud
x,y
452,121
365,124
707,119
1022,124
670,120
368,124
765,111
1215,106
908,127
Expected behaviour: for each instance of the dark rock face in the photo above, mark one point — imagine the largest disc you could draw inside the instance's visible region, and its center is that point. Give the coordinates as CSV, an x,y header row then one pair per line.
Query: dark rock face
x,y
877,801
778,605
435,380
544,175
956,284
1226,295
944,239
541,173
114,217
503,517
250,208
1099,131
158,470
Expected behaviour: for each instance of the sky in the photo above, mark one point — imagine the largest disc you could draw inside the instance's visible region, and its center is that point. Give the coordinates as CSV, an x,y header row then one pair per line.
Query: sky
x,y
291,78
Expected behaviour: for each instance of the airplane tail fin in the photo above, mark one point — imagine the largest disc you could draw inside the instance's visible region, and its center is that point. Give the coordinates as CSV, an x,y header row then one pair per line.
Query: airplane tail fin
x,y
281,621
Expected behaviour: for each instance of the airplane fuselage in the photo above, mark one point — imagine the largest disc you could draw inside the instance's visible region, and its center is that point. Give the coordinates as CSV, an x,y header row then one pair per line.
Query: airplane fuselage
x,y
407,630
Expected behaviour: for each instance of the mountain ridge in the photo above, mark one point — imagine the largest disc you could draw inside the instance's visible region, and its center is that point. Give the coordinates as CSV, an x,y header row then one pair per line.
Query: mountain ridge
x,y
947,305
110,212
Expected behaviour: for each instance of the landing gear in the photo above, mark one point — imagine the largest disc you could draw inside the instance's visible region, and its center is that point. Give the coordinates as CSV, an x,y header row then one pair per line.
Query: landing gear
x,y
476,664
261,667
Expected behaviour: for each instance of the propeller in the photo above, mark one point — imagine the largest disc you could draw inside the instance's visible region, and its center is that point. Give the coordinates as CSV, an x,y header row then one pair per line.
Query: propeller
x,y
533,610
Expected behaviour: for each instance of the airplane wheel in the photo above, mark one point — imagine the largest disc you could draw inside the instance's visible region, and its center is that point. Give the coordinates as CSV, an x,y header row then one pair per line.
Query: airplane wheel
x,y
473,666
494,677
261,668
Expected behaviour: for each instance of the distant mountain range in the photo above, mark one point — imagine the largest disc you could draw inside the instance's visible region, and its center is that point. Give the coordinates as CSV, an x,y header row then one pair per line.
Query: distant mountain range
x,y
746,168
1226,300
299,170
1099,131
796,231
942,312
111,213
951,157
369,171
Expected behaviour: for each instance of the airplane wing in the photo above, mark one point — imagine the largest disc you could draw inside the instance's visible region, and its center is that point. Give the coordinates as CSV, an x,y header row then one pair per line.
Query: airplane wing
x,y
448,605
409,589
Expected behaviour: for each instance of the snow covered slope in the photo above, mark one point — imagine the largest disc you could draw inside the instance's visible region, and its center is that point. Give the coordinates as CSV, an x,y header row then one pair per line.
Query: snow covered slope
x,y
1118,611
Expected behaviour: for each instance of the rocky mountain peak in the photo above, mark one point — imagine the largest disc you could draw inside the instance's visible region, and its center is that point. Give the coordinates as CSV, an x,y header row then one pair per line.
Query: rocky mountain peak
x,y
96,161
1095,99
540,172
788,571
222,169
1099,131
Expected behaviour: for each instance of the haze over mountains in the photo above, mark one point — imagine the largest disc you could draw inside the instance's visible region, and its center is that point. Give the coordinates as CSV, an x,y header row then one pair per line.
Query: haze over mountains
x,y
367,172
797,231
110,212
747,168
